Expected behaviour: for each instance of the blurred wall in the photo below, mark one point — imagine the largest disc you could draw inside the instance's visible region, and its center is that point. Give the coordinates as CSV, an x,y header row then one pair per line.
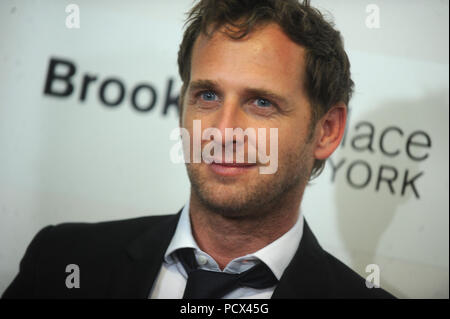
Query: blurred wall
x,y
98,149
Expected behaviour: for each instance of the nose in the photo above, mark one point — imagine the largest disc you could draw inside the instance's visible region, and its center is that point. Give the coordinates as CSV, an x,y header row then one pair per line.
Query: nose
x,y
229,116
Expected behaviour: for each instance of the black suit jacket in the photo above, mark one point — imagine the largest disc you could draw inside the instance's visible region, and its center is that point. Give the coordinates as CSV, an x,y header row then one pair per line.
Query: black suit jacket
x,y
121,259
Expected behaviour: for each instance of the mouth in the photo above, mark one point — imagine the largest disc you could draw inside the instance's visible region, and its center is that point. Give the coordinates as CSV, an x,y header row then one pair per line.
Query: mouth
x,y
231,169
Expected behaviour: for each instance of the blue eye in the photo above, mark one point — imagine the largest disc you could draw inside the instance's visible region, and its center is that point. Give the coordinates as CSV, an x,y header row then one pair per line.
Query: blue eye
x,y
208,96
263,102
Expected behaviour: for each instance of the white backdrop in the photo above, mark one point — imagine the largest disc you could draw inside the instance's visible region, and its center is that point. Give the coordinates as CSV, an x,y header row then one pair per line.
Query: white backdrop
x,y
383,198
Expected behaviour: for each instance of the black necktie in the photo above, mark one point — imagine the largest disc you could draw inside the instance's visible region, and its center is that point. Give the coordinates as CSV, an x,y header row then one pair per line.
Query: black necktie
x,y
203,284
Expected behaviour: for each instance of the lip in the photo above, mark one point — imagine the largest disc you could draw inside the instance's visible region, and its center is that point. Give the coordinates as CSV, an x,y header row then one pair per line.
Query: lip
x,y
231,169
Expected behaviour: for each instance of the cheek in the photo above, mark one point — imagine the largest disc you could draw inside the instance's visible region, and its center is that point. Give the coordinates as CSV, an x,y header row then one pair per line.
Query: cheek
x,y
184,116
188,115
291,139
187,119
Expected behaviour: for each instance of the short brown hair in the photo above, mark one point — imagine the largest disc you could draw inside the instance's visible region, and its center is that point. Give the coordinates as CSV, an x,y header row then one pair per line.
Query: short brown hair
x,y
327,75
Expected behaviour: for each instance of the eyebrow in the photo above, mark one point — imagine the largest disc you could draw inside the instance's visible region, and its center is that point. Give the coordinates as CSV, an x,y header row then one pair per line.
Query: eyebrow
x,y
266,94
213,85
203,84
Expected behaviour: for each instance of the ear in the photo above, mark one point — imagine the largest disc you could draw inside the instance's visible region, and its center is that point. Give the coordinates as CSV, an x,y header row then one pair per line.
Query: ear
x,y
330,130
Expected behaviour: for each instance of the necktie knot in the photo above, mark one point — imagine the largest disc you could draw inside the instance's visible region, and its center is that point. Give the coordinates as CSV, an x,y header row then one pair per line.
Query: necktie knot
x,y
203,284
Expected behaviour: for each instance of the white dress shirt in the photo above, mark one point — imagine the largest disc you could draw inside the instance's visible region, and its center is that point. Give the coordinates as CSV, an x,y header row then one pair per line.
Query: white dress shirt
x,y
171,280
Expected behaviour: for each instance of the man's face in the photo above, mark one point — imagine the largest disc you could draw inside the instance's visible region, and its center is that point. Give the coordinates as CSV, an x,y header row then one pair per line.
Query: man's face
x,y
254,82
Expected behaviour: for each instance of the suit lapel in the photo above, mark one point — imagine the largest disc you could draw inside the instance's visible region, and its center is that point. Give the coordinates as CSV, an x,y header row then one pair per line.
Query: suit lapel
x,y
307,275
138,265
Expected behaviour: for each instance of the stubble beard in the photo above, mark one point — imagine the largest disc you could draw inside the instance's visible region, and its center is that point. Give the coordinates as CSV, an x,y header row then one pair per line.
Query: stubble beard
x,y
259,197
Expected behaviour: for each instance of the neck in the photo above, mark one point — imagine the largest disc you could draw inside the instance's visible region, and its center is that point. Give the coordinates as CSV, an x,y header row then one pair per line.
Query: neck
x,y
225,239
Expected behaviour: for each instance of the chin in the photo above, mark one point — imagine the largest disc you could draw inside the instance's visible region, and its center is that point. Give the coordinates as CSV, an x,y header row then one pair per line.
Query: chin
x,y
223,197
230,201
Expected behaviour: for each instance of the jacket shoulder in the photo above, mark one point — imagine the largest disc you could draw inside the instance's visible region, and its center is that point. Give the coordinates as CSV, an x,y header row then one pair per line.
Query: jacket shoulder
x,y
349,284
93,247
110,233
313,273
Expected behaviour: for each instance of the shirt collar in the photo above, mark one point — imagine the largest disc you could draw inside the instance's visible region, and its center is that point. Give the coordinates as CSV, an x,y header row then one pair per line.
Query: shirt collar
x,y
277,255
183,235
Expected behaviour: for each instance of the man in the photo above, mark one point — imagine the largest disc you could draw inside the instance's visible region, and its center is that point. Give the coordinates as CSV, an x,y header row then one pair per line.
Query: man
x,y
244,64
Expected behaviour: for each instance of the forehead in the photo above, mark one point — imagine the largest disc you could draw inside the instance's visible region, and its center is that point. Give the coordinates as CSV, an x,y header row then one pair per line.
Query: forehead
x,y
265,54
